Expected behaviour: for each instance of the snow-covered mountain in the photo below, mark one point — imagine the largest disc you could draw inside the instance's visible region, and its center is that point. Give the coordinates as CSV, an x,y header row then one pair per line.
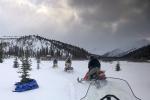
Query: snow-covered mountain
x,y
37,45
127,49
30,42
142,54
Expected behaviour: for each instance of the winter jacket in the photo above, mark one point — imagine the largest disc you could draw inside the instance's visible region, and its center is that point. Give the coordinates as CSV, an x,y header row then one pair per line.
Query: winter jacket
x,y
68,60
55,61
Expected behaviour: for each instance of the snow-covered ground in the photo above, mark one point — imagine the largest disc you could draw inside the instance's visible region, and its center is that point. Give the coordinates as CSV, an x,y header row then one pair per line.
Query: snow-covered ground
x,y
55,84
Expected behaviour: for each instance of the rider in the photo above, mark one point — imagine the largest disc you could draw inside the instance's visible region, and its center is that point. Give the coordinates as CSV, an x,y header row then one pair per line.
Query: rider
x,y
68,63
94,68
94,72
55,62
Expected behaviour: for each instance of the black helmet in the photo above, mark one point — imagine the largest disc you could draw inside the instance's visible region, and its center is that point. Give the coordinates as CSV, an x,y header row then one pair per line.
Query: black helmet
x,y
92,57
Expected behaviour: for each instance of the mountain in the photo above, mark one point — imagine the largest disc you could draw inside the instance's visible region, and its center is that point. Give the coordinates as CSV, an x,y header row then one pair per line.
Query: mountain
x,y
120,52
141,53
40,46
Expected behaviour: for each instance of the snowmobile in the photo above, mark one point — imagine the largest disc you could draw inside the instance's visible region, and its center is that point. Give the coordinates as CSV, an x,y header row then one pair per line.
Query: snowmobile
x,y
55,65
98,78
109,89
30,85
68,67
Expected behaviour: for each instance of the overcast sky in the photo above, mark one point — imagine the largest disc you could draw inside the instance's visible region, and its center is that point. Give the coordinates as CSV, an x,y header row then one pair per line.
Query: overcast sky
x,y
96,25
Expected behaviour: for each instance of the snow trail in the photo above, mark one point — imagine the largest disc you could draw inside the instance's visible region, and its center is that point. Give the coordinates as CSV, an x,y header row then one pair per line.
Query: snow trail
x,y
56,84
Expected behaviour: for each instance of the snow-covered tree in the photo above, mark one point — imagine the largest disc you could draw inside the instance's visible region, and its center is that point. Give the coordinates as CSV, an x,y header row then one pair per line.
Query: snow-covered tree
x,y
16,64
38,62
25,68
118,67
1,53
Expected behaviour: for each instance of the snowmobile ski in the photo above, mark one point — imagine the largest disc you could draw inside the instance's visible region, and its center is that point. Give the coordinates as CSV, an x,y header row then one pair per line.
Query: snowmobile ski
x,y
80,80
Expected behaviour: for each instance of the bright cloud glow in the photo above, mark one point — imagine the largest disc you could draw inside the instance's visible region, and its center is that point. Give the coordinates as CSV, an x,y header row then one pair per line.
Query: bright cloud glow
x,y
29,16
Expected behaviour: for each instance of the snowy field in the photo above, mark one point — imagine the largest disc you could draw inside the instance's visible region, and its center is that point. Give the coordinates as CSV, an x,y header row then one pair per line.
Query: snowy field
x,y
55,84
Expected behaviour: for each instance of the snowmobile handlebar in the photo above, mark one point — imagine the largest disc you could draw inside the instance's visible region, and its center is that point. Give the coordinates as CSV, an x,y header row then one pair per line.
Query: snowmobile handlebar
x,y
109,96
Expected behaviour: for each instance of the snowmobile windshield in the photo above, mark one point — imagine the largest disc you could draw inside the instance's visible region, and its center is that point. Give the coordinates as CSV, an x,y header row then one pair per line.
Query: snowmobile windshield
x,y
112,86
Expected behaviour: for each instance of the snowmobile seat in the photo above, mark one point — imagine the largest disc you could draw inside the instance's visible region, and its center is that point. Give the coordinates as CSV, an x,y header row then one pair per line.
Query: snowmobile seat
x,y
100,76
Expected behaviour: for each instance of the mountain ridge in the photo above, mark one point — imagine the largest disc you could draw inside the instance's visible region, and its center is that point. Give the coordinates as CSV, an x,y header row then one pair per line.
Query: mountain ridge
x,y
120,52
40,46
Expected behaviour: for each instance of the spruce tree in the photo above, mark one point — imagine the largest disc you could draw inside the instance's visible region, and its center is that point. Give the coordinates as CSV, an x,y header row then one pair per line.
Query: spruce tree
x,y
118,67
25,68
1,53
38,62
16,64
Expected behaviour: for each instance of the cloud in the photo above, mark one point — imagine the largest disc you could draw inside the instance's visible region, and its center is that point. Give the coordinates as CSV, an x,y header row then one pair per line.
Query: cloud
x,y
102,24
130,17
29,16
